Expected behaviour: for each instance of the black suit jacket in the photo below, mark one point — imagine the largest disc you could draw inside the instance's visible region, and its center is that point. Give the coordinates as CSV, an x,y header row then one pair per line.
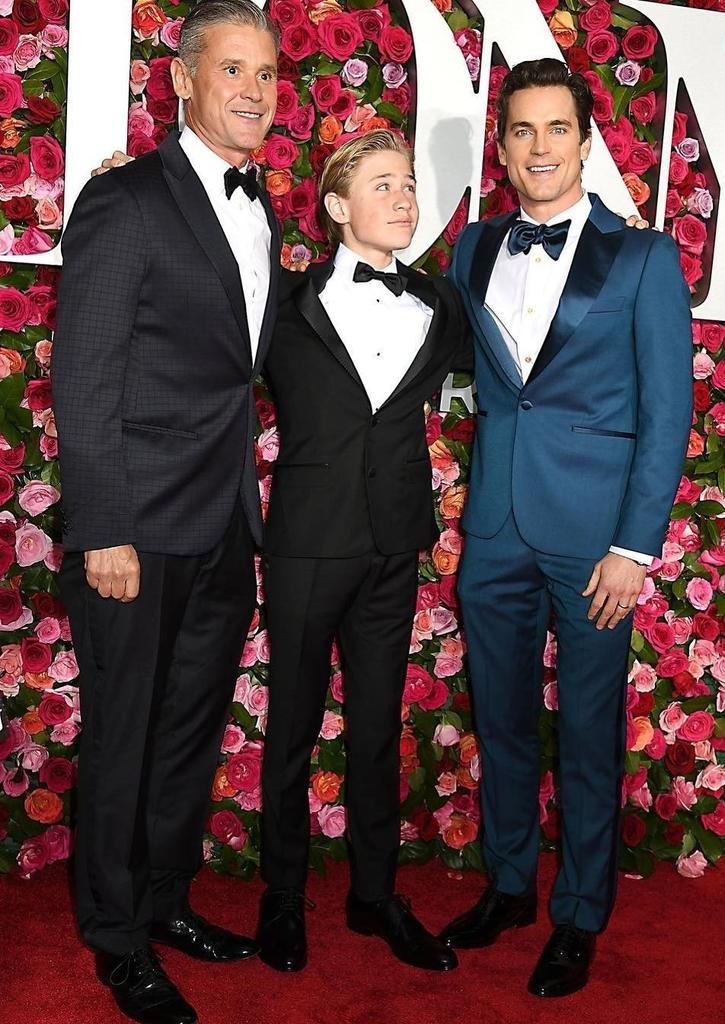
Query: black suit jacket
x,y
152,365
348,479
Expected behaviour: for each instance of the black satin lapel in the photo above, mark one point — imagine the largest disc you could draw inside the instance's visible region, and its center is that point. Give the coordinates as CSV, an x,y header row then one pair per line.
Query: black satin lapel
x,y
308,303
594,256
275,251
482,263
198,212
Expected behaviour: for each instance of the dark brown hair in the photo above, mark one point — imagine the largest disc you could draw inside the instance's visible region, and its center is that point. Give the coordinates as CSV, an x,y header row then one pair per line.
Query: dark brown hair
x,y
533,74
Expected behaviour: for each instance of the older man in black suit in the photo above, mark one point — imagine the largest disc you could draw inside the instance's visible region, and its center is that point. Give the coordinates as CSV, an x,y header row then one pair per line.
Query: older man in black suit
x,y
165,313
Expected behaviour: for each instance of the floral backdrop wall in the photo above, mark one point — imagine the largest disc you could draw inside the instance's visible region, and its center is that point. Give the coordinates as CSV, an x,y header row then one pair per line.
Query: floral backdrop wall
x,y
345,69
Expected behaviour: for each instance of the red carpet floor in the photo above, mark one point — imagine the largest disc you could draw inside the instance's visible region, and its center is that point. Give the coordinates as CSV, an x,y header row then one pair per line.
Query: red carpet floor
x,y
660,961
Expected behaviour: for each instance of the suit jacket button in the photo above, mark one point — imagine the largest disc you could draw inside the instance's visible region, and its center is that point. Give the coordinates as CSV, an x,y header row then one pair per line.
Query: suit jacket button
x,y
526,405
371,472
374,421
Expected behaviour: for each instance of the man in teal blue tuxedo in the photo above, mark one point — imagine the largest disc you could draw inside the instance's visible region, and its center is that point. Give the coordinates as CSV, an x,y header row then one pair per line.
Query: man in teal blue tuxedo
x,y
583,375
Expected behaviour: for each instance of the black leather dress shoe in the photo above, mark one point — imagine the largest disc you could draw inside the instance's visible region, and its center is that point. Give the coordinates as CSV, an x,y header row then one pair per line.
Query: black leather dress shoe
x,y
204,941
142,989
563,967
281,932
494,913
393,920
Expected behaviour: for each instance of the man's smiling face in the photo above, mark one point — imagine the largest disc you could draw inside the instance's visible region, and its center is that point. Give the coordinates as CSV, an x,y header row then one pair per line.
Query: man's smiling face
x,y
542,149
231,97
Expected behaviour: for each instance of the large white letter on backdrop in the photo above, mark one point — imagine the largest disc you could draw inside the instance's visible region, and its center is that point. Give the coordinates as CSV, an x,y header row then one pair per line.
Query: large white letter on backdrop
x,y
450,114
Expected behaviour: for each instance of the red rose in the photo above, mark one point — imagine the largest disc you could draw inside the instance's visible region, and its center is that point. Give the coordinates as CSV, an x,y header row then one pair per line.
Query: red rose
x,y
547,7
7,534
674,833
42,109
299,41
244,770
691,268
9,36
300,124
280,151
712,336
287,13
603,106
399,97
319,156
679,169
372,22
160,85
21,208
343,105
461,701
436,698
449,594
672,663
552,826
14,309
37,394
641,158
643,108
47,157
463,431
287,102
14,169
47,606
325,91
666,805
163,111
340,35
643,705
418,684
58,774
601,46
597,17
701,395
680,128
27,16
457,222
43,302
11,605
225,826
633,830
302,199
706,626
578,59
36,657
680,758
139,144
55,11
396,44
619,138
7,558
685,684
690,233
425,823
54,708
661,636
639,42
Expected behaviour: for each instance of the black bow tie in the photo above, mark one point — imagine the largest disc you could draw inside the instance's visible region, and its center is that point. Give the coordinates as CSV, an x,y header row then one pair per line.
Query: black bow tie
x,y
246,180
525,234
395,283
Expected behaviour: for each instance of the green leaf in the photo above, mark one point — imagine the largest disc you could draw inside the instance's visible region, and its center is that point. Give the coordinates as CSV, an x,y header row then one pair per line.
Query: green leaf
x,y
375,84
637,642
642,88
709,509
393,113
457,20
327,67
46,70
682,510
622,96
631,762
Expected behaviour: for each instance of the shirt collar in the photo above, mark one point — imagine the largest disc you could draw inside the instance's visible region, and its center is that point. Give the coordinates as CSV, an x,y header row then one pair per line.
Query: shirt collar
x,y
346,260
209,166
577,214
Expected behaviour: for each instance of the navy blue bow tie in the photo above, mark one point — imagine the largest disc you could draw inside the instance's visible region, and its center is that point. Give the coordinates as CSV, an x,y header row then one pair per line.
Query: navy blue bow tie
x,y
396,283
246,180
553,237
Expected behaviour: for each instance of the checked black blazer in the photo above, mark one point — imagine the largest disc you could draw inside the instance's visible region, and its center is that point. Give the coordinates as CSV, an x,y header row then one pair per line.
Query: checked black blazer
x,y
152,367
347,478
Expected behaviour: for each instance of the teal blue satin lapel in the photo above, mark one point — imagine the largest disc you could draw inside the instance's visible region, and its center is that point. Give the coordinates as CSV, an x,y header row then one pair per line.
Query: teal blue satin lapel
x,y
592,262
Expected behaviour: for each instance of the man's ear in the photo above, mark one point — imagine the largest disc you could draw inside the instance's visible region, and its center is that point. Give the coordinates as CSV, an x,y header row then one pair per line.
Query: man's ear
x,y
586,148
501,153
336,208
181,77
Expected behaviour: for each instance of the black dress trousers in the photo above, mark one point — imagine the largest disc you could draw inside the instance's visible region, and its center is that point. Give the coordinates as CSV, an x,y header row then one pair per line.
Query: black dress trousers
x,y
368,603
156,683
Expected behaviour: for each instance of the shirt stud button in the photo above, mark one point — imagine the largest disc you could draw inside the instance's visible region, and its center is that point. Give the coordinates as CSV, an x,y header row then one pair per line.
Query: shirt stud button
x,y
527,359
530,310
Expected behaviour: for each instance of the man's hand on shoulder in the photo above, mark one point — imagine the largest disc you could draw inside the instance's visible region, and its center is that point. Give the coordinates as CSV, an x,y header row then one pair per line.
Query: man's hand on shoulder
x,y
634,221
117,160
616,583
114,572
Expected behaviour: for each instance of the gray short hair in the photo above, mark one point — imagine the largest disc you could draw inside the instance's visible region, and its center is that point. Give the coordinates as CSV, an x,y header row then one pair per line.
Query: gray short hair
x,y
215,12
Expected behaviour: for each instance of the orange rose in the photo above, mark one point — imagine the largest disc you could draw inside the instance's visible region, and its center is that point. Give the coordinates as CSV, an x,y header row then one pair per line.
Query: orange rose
x,y
443,6
32,722
446,562
326,786
373,124
465,778
468,745
408,744
643,733
221,787
696,445
43,806
563,29
148,18
452,502
324,9
330,129
259,156
278,183
409,764
10,362
638,189
10,132
38,680
459,832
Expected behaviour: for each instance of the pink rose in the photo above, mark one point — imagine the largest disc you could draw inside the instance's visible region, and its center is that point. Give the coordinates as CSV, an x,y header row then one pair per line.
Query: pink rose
x,y
53,37
447,665
657,745
140,74
340,35
244,769
65,733
27,53
692,866
16,783
64,667
46,157
280,151
58,843
643,676
49,215
715,821
332,819
36,497
690,233
32,856
712,777
685,793
697,727
31,545
446,784
34,757
699,593
170,33
446,735
11,98
234,739
332,725
337,687
672,718
48,630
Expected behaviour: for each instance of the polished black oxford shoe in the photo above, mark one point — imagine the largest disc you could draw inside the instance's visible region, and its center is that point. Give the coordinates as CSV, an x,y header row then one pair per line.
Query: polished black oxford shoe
x,y
393,920
281,933
563,966
142,989
196,937
494,913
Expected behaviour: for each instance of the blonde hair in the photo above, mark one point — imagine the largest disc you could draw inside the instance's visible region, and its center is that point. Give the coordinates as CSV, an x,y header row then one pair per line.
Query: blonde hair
x,y
338,172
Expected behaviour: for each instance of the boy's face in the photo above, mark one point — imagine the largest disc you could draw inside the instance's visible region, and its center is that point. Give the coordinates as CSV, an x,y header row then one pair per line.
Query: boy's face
x,y
380,213
542,150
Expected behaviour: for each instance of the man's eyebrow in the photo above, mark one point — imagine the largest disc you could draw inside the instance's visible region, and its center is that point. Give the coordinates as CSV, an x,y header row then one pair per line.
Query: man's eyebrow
x,y
380,177
554,121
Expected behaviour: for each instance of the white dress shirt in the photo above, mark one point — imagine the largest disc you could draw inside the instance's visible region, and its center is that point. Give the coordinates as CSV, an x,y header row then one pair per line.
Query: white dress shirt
x,y
382,332
524,293
243,222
